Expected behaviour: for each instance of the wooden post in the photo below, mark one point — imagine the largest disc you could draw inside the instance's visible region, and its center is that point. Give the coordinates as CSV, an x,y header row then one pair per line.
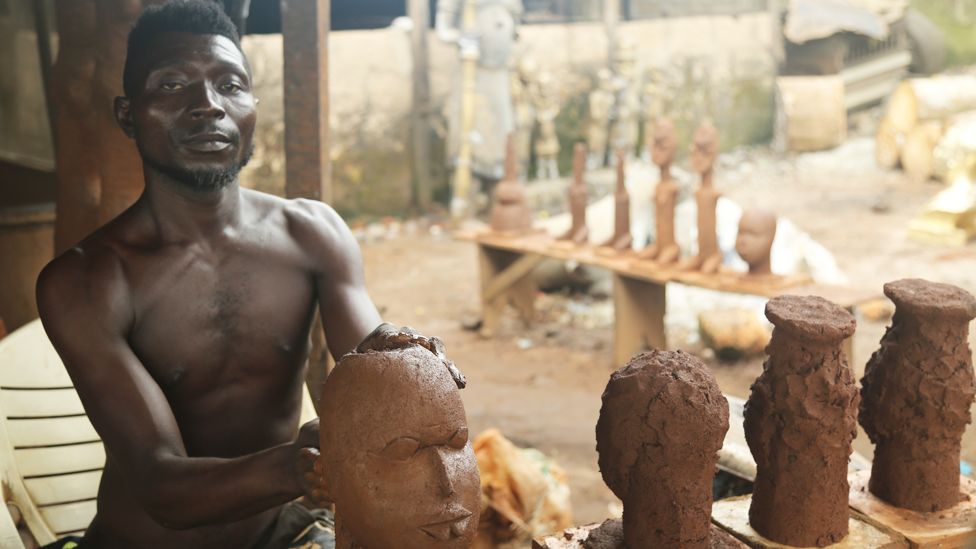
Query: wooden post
x,y
638,310
419,11
305,30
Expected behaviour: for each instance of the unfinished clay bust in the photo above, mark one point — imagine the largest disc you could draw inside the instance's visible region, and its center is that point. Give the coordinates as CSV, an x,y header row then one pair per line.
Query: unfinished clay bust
x,y
757,229
917,391
664,249
663,420
509,212
578,232
395,453
799,422
704,149
621,239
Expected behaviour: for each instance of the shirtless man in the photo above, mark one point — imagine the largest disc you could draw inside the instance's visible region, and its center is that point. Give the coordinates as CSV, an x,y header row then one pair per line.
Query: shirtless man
x,y
184,322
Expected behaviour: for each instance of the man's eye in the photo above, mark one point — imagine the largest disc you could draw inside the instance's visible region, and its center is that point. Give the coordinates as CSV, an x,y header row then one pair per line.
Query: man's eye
x,y
459,439
401,449
232,88
171,86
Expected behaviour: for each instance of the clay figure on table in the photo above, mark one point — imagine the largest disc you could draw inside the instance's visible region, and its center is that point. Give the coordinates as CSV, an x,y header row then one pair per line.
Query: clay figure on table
x,y
578,233
661,425
396,458
184,322
509,210
704,150
663,146
754,241
621,239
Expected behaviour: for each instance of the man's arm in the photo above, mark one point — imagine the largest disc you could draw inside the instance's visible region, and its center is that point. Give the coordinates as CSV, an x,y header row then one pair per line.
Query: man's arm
x,y
84,305
348,313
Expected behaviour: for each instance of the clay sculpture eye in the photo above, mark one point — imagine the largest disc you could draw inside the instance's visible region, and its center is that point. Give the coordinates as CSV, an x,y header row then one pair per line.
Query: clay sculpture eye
x,y
459,439
401,449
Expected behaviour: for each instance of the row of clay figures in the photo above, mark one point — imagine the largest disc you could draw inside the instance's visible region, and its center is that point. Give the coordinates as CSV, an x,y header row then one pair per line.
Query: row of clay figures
x,y
663,419
757,228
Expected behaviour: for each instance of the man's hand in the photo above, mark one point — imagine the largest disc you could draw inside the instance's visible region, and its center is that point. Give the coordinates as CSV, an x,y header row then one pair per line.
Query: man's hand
x,y
388,337
308,465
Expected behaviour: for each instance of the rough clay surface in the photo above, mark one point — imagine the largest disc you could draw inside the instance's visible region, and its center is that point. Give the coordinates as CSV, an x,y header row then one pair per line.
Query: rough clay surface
x,y
916,395
662,421
800,420
610,535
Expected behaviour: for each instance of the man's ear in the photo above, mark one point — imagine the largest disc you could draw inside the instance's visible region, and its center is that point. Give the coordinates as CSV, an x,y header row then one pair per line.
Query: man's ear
x,y
123,117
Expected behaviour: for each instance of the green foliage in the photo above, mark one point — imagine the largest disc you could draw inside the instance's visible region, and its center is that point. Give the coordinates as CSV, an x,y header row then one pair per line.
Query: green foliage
x,y
957,19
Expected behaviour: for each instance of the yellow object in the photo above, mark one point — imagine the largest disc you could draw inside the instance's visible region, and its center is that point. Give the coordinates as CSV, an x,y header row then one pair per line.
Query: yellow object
x,y
950,218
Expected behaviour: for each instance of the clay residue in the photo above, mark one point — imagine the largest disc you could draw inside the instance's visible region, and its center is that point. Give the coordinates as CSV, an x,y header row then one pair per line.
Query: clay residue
x,y
610,535
800,420
662,421
916,395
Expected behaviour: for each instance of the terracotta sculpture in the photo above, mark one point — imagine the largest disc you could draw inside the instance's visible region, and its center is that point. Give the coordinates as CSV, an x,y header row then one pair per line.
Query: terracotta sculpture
x,y
621,239
704,149
522,84
661,425
916,395
663,146
578,233
395,453
625,126
546,142
757,229
600,102
800,420
509,212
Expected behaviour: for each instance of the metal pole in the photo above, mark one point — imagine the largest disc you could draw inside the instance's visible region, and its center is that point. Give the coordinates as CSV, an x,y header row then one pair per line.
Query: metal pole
x,y
468,44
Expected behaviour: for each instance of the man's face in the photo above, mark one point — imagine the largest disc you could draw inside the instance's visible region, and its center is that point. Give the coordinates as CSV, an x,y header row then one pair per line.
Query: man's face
x,y
193,114
407,476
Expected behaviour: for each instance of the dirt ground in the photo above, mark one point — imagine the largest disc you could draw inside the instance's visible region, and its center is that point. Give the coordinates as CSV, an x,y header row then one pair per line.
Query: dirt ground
x,y
541,385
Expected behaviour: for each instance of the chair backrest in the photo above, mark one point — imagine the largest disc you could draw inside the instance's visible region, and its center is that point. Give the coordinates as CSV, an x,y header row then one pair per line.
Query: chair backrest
x,y
51,458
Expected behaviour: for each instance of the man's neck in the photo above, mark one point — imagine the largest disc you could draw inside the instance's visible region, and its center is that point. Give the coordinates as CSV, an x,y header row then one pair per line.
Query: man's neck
x,y
181,213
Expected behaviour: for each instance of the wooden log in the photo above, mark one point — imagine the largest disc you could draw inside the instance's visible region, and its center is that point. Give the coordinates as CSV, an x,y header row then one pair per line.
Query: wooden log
x,y
918,150
887,145
810,113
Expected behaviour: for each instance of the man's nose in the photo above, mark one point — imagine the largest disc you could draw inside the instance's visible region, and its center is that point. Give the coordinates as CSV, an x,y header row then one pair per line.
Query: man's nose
x,y
207,103
444,469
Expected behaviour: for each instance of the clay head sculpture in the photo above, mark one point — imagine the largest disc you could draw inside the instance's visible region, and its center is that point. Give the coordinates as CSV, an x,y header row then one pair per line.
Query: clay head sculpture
x,y
663,420
664,145
395,453
509,211
757,229
704,148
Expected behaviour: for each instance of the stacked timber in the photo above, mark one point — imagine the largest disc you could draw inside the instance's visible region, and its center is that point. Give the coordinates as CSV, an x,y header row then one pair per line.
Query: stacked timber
x,y
920,112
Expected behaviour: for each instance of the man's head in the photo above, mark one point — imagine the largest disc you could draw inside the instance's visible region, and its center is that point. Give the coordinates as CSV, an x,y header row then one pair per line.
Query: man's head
x,y
395,452
188,101
664,143
757,229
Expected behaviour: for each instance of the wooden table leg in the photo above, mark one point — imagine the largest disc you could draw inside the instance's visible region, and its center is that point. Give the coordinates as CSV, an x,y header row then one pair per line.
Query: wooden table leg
x,y
505,278
638,309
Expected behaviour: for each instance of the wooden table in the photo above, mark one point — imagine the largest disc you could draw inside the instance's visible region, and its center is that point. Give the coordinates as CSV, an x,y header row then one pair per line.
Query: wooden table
x,y
639,287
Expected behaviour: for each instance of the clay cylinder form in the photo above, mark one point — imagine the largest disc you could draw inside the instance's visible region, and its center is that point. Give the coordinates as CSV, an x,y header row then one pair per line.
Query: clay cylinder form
x,y
662,422
800,420
916,394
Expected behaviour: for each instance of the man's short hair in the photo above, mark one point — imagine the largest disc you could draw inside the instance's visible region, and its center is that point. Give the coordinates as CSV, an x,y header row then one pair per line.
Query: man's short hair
x,y
192,16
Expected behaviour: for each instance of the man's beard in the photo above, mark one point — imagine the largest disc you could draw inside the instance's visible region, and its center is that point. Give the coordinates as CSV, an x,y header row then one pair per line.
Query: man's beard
x,y
205,180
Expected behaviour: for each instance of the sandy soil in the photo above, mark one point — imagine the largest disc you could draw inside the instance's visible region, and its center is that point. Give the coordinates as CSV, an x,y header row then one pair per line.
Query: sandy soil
x,y
541,385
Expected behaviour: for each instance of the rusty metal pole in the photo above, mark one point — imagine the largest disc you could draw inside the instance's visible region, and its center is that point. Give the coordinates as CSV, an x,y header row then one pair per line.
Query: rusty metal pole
x,y
305,32
461,199
419,11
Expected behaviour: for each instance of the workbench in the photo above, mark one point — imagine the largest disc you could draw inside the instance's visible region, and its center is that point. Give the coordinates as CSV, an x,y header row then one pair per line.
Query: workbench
x,y
506,262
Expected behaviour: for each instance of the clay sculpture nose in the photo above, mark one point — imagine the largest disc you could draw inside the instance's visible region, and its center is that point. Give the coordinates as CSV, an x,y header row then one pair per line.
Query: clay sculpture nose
x,y
443,462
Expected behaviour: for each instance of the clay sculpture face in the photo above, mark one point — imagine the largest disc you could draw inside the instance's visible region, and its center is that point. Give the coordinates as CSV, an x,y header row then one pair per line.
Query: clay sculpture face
x,y
395,452
757,229
704,148
663,420
664,144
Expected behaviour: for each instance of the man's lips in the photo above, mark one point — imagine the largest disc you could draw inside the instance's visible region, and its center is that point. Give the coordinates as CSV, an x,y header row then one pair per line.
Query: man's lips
x,y
451,527
207,142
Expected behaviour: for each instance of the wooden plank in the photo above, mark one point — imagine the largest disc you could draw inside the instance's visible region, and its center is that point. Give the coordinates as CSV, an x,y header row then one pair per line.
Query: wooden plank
x,y
69,517
63,488
57,460
28,360
50,431
514,272
638,310
305,34
950,529
732,514
40,402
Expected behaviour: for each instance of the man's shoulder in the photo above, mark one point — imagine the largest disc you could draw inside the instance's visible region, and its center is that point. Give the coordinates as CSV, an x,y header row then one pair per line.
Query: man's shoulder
x,y
313,224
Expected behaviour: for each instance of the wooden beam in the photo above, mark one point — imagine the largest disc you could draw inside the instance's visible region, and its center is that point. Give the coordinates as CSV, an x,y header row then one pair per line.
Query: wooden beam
x,y
305,30
419,11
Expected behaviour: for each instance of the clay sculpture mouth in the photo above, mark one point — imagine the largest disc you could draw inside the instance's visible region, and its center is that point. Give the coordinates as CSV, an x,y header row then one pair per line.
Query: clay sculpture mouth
x,y
452,527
